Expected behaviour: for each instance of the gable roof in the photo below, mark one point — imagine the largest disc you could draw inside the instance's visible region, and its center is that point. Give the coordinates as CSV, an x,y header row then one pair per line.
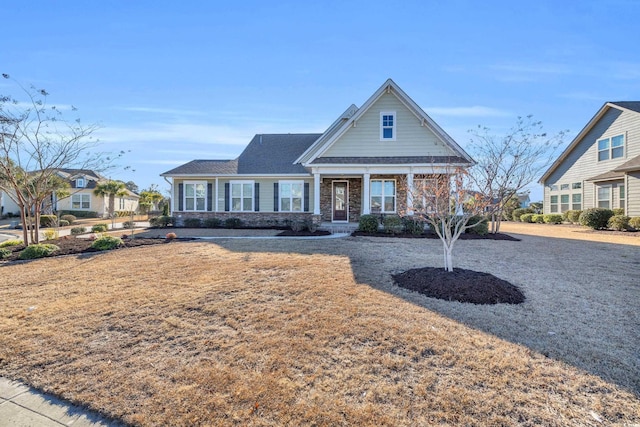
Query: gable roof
x,y
620,105
266,154
388,87
631,165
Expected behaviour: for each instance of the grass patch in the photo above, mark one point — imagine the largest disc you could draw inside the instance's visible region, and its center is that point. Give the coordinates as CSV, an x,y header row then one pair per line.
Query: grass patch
x,y
219,337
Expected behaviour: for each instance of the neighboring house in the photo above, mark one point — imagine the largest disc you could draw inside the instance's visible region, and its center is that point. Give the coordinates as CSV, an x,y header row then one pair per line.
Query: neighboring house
x,y
523,199
7,205
357,166
601,166
82,198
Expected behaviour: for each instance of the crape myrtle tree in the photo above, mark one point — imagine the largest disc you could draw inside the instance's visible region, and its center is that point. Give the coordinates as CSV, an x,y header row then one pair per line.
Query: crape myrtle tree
x,y
35,142
447,204
507,164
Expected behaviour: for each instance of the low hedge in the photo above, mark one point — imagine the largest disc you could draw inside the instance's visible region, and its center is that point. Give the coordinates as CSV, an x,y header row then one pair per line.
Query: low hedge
x,y
619,222
412,226
70,218
573,216
537,218
162,221
517,213
192,223
99,228
392,224
481,226
552,218
212,222
368,224
80,214
39,250
13,242
78,230
4,253
48,220
105,243
596,218
635,222
233,223
528,217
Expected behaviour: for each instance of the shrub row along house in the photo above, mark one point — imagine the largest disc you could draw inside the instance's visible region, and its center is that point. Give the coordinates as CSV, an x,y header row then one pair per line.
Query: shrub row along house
x,y
601,166
356,167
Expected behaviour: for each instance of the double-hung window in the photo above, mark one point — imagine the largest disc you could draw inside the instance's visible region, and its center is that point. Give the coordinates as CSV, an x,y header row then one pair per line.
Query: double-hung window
x,y
195,196
388,126
604,197
554,204
383,195
242,196
564,203
611,148
81,201
622,195
79,182
291,196
122,203
576,202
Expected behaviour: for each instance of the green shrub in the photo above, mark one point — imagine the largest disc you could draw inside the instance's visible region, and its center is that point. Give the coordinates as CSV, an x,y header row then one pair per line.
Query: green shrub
x,y
573,216
192,222
162,221
297,226
618,211
537,218
165,209
4,253
528,217
48,220
413,226
70,218
635,222
311,225
78,230
80,214
596,218
129,224
392,224
38,251
233,223
212,223
63,223
105,243
7,243
517,213
619,222
50,234
368,224
481,226
552,218
99,228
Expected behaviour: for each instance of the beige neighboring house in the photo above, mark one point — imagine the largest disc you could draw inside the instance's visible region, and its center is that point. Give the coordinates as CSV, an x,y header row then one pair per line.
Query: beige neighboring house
x,y
82,198
356,167
601,166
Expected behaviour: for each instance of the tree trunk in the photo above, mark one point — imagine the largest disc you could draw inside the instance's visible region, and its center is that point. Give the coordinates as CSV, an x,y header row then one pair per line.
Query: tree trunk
x,y
112,209
448,259
25,228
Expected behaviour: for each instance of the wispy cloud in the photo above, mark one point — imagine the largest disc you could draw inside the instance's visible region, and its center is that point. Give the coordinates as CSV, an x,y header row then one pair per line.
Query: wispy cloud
x,y
474,111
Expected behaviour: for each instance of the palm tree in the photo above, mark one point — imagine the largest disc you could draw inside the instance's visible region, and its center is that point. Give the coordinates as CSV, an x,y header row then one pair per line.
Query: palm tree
x,y
111,189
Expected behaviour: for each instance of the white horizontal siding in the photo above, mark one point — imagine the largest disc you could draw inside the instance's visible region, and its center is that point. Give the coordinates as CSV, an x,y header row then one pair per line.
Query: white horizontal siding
x,y
633,194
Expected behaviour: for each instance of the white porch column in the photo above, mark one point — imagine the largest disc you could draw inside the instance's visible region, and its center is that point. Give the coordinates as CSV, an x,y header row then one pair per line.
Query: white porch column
x,y
316,194
215,201
410,189
366,194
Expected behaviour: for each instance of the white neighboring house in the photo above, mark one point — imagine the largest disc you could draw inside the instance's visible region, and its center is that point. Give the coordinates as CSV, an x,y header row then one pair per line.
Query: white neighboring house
x,y
83,183
7,205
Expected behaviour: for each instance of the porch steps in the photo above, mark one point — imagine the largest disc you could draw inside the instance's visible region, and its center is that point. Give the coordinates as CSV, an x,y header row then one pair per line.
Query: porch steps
x,y
334,228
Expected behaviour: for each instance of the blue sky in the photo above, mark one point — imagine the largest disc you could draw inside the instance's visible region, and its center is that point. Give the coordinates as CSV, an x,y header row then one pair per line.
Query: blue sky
x,y
176,81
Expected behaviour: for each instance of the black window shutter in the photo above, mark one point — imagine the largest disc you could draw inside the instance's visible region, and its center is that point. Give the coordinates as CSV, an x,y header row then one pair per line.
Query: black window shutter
x,y
180,197
209,197
276,197
256,196
226,197
306,197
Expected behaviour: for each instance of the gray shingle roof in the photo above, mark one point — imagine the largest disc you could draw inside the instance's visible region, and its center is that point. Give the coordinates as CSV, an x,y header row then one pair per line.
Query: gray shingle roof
x,y
607,176
631,165
391,160
265,154
630,105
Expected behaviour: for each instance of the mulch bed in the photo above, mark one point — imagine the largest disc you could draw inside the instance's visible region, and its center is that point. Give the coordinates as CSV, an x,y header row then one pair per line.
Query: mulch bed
x,y
464,236
303,233
460,285
73,246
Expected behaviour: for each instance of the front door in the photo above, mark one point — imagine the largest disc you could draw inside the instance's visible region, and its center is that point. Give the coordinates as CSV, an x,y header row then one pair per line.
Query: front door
x,y
340,200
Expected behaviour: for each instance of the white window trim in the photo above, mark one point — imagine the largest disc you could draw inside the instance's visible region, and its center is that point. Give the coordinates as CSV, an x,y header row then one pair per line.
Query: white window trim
x,y
253,195
301,182
81,196
622,196
609,186
568,204
195,204
609,149
556,204
395,195
574,203
80,183
394,127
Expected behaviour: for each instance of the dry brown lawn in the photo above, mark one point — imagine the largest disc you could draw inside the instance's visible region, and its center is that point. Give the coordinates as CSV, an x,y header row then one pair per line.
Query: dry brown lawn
x,y
275,332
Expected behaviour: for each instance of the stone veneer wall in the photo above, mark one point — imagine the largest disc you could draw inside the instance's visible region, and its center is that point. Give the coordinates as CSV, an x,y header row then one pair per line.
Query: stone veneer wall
x,y
252,219
355,198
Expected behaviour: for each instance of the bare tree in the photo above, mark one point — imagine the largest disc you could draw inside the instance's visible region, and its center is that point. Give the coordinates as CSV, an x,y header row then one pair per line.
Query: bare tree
x,y
506,164
35,142
447,204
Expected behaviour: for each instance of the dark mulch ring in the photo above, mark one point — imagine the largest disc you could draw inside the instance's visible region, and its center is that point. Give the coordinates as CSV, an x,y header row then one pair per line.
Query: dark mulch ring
x,y
72,245
304,233
463,236
460,285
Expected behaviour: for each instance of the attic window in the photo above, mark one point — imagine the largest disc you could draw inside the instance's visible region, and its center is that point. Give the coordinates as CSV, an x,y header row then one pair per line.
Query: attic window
x,y
79,182
388,126
611,148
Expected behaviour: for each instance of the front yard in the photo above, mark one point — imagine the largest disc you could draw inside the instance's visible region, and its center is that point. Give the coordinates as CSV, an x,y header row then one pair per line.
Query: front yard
x,y
314,332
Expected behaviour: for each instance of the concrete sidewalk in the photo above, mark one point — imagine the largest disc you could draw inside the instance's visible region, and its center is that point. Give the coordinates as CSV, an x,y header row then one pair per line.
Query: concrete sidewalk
x,y
22,406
